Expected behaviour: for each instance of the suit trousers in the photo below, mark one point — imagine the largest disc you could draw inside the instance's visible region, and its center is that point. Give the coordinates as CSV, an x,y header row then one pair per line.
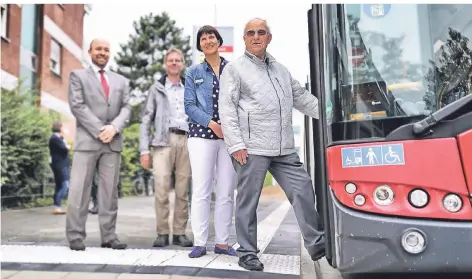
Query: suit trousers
x,y
165,160
84,165
296,183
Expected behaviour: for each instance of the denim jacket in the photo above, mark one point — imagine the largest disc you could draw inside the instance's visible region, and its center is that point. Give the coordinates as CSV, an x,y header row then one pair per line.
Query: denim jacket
x,y
198,97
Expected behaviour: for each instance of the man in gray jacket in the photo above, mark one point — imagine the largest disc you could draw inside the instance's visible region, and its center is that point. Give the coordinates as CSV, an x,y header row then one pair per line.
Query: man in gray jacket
x,y
164,108
256,99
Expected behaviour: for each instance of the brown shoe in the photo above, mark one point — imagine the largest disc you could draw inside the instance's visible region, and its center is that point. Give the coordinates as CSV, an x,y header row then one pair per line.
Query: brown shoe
x,y
58,211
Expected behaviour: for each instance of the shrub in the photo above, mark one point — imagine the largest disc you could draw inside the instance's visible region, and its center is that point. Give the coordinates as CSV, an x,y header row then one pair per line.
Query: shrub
x,y
25,131
130,158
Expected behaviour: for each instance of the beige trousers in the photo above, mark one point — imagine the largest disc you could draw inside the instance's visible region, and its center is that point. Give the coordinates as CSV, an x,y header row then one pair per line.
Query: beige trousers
x,y
168,159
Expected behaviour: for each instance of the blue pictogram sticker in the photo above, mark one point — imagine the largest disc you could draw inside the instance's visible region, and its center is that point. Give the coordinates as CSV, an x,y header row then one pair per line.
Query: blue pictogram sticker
x,y
373,156
376,10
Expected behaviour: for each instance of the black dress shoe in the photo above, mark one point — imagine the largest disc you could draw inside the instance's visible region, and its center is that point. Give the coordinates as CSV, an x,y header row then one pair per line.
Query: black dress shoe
x,y
162,240
77,245
182,241
251,262
114,244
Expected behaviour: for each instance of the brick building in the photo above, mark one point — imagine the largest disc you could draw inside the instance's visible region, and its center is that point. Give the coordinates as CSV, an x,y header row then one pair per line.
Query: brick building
x,y
41,45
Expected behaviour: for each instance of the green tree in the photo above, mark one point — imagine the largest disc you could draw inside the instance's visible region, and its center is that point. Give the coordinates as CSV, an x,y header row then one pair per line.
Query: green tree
x,y
25,134
141,59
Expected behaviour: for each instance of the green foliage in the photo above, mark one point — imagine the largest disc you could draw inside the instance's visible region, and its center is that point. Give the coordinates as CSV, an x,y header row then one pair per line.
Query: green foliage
x,y
130,158
141,59
25,133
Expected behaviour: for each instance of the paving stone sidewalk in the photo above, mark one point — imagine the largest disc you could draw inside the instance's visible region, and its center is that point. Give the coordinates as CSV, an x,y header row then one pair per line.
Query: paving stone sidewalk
x,y
11,274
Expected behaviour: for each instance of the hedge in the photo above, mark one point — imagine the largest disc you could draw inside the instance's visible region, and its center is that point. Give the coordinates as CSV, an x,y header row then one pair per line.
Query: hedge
x,y
25,134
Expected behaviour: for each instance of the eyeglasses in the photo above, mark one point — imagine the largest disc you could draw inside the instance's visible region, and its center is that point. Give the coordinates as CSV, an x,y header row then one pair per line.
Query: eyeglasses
x,y
252,33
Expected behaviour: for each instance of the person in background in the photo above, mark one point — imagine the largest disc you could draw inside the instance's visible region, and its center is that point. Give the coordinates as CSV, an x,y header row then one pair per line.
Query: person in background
x,y
164,110
59,154
207,148
94,209
258,95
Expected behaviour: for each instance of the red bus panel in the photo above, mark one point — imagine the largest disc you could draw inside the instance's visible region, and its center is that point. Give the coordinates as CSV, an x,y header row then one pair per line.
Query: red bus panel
x,y
464,141
432,165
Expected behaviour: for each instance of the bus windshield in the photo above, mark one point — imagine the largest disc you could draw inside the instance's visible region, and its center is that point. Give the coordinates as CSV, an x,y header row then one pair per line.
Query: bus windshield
x,y
401,60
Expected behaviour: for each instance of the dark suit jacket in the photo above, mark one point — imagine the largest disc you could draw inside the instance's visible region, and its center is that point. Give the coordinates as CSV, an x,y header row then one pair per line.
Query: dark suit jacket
x,y
92,110
59,158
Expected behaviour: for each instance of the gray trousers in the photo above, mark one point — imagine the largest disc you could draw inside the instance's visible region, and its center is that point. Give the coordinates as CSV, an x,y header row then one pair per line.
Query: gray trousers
x,y
296,183
84,165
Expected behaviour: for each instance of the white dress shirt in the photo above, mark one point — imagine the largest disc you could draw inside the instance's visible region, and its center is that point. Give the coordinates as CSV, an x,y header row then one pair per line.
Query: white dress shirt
x,y
175,94
97,69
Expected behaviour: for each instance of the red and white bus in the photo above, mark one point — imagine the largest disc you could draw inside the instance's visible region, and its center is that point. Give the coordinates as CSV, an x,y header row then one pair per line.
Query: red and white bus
x,y
391,155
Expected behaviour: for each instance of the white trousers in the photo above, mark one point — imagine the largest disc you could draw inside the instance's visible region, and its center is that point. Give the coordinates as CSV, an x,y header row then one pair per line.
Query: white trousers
x,y
206,155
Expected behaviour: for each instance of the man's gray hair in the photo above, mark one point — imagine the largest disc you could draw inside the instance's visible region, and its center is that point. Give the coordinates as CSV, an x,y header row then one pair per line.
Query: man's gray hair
x,y
176,50
260,19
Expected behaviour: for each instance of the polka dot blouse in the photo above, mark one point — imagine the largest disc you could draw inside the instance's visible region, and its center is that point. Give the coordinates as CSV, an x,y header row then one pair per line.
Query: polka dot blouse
x,y
196,130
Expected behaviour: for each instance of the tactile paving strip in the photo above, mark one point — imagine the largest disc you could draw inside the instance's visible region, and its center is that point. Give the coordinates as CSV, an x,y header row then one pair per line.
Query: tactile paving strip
x,y
280,264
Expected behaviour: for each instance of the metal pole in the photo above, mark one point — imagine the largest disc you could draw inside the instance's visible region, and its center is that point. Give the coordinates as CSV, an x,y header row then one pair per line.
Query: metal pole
x,y
214,15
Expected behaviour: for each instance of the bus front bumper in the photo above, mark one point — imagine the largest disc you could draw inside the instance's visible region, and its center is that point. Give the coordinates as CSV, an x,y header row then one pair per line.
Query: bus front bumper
x,y
369,243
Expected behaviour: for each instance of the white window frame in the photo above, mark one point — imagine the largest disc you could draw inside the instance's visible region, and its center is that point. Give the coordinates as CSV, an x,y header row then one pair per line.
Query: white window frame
x,y
4,21
55,58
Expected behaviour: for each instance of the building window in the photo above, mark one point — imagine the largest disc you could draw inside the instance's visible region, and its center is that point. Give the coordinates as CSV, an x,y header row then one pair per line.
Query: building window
x,y
55,59
4,9
29,46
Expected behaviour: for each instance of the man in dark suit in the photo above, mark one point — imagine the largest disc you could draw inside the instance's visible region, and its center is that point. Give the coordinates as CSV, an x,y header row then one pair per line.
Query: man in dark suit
x,y
98,99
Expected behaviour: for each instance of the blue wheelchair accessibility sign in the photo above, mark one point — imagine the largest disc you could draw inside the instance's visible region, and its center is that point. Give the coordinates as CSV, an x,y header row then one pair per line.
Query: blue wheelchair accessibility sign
x,y
373,156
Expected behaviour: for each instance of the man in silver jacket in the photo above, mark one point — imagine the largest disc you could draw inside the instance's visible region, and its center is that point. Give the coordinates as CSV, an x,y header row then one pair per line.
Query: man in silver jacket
x,y
257,95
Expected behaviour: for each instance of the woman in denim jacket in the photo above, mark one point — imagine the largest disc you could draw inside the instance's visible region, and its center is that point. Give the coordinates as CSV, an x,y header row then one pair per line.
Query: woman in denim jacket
x,y
207,149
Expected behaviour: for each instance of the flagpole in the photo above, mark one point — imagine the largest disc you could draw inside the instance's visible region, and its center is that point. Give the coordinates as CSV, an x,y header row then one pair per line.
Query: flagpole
x,y
214,15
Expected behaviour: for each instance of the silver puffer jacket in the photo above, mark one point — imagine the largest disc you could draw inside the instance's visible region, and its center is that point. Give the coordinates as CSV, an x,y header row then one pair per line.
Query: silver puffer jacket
x,y
255,106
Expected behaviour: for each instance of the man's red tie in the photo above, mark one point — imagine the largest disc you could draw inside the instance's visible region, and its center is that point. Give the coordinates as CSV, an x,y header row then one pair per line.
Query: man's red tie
x,y
106,89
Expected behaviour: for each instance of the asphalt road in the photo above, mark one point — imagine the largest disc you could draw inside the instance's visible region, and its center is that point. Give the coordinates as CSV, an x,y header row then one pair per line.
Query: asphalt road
x,y
325,271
